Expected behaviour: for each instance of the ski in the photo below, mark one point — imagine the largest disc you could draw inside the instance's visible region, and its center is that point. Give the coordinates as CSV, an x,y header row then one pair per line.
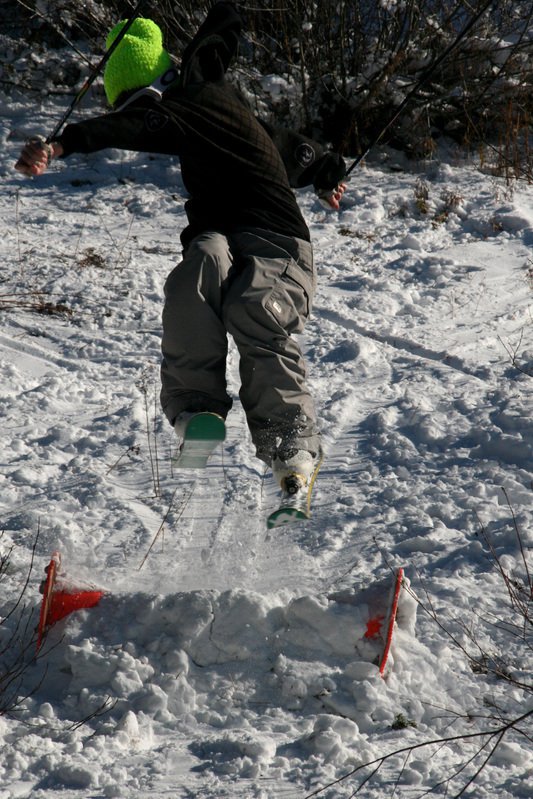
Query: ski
x,y
294,507
203,433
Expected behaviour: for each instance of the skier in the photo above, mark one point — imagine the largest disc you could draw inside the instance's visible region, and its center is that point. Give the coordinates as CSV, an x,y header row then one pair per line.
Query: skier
x,y
247,266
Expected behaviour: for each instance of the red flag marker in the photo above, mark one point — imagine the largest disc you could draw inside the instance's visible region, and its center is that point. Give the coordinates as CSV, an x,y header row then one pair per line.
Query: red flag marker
x,y
59,601
392,620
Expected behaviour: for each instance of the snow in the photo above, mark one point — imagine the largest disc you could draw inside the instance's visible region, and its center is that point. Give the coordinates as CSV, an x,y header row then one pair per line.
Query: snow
x,y
225,661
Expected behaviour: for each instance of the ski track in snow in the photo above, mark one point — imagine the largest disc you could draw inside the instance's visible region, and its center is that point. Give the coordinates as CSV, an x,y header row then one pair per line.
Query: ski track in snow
x,y
225,661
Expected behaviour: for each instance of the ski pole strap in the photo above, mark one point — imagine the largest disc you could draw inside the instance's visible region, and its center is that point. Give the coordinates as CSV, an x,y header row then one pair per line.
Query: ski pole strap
x,y
96,71
420,82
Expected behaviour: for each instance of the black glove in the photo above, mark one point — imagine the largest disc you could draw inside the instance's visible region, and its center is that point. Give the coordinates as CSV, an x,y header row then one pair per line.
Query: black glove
x,y
329,172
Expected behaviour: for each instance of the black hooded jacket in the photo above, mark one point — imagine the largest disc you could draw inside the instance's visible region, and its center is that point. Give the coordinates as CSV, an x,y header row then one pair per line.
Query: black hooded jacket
x,y
238,172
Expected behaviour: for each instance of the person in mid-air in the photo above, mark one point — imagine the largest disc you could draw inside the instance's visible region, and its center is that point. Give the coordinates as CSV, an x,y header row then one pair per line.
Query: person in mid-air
x,y
247,267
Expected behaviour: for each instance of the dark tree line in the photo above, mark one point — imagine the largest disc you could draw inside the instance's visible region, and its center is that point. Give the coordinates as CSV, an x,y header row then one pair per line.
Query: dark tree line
x,y
343,66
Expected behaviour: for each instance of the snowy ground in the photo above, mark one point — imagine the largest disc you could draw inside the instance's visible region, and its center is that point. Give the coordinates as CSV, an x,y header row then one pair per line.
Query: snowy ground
x,y
229,663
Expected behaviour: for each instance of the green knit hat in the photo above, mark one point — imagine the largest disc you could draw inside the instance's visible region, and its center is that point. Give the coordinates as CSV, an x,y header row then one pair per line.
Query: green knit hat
x,y
138,59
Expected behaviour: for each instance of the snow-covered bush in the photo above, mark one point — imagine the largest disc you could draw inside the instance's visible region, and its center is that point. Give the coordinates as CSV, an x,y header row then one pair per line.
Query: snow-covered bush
x,y
494,644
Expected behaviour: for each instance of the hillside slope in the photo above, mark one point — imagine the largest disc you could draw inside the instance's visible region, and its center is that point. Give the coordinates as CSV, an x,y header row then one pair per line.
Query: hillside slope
x,y
224,662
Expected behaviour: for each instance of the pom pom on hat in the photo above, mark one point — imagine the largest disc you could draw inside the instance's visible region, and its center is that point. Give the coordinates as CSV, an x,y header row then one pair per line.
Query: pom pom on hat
x,y
138,59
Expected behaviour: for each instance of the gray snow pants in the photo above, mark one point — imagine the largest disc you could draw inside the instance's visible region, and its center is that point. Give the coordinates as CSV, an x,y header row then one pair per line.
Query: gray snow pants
x,y
257,286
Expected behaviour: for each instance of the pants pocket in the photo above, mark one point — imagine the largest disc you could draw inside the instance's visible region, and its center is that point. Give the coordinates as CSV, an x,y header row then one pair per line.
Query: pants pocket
x,y
290,299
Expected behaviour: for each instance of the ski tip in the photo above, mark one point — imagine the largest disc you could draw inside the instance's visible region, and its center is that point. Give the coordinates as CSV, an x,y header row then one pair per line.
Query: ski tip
x,y
283,516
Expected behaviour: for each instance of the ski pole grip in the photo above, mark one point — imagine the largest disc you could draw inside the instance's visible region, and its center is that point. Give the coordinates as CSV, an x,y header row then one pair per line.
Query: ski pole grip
x,y
43,144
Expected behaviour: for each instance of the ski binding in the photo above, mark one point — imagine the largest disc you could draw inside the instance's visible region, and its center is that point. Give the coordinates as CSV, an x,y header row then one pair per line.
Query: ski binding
x,y
295,501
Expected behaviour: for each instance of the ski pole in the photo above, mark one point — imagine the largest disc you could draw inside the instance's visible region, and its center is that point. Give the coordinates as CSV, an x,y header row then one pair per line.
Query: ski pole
x,y
423,78
96,71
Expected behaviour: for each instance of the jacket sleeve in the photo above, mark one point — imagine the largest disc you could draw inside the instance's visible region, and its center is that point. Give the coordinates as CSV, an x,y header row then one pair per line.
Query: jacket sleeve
x,y
307,162
143,128
212,49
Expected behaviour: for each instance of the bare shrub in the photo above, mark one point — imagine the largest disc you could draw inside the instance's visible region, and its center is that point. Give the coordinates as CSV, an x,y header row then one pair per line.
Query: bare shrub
x,y
346,65
17,636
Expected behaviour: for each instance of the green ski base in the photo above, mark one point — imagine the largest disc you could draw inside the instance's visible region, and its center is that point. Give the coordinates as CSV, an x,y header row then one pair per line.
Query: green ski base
x,y
204,432
286,516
